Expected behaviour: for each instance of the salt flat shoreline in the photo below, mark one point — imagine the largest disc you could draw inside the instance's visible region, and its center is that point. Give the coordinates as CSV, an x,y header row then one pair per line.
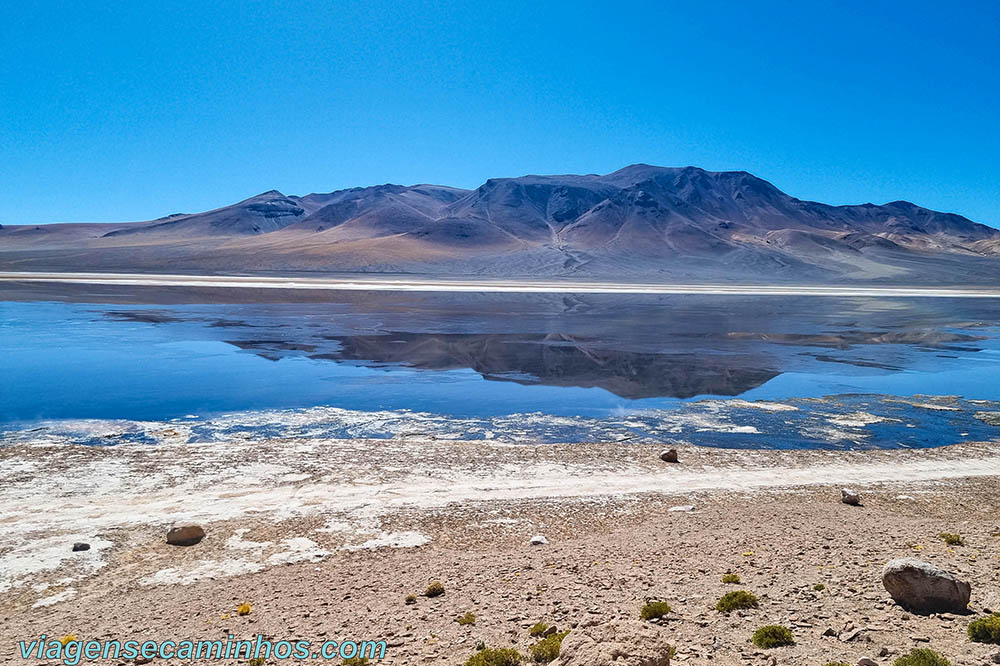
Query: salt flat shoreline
x,y
499,285
327,537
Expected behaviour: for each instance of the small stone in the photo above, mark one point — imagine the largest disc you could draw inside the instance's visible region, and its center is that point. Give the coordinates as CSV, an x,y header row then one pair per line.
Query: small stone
x,y
851,635
187,535
865,661
684,508
669,455
538,540
80,546
848,496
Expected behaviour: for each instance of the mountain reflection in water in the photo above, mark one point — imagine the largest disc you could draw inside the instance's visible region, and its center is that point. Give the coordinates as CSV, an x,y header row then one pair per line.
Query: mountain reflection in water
x,y
634,347
559,360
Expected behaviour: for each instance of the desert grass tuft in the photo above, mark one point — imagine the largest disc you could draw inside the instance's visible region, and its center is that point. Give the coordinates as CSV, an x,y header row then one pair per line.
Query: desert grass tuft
x,y
496,657
772,636
985,629
537,629
654,610
736,600
922,657
547,649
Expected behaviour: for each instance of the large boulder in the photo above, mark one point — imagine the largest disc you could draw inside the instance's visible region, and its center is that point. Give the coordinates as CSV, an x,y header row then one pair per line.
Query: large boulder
x,y
187,535
922,587
621,643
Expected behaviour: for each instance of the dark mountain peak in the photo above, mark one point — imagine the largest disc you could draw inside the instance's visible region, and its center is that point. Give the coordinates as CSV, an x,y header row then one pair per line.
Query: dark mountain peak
x,y
270,193
633,173
385,188
689,176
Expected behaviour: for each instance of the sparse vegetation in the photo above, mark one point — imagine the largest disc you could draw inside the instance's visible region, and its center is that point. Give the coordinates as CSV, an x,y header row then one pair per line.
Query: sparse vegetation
x,y
819,587
985,629
435,589
496,657
654,609
922,657
952,539
736,600
772,636
65,640
244,608
355,661
257,661
537,629
466,619
547,649
410,599
836,663
731,579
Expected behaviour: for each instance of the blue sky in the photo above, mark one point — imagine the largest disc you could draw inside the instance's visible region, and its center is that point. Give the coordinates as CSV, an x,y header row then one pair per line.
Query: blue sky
x,y
128,111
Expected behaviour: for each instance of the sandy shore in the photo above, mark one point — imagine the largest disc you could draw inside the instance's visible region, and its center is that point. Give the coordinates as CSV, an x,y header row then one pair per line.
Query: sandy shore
x,y
325,538
444,284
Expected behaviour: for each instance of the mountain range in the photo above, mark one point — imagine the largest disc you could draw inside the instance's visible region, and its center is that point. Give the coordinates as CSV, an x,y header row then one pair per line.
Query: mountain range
x,y
640,222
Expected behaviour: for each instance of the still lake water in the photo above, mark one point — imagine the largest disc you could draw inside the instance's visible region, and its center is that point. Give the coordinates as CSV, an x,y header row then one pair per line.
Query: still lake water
x,y
659,367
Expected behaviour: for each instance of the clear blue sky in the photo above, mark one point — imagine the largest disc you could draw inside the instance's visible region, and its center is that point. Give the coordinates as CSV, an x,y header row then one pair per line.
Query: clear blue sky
x,y
133,110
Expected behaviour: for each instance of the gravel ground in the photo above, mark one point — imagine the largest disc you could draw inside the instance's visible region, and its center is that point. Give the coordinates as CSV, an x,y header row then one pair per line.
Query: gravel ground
x,y
318,572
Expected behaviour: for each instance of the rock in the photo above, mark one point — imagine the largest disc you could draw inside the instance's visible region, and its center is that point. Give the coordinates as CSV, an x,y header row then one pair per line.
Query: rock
x,y
996,657
669,455
851,635
187,535
684,508
80,546
619,643
921,587
865,661
538,540
848,496
548,632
